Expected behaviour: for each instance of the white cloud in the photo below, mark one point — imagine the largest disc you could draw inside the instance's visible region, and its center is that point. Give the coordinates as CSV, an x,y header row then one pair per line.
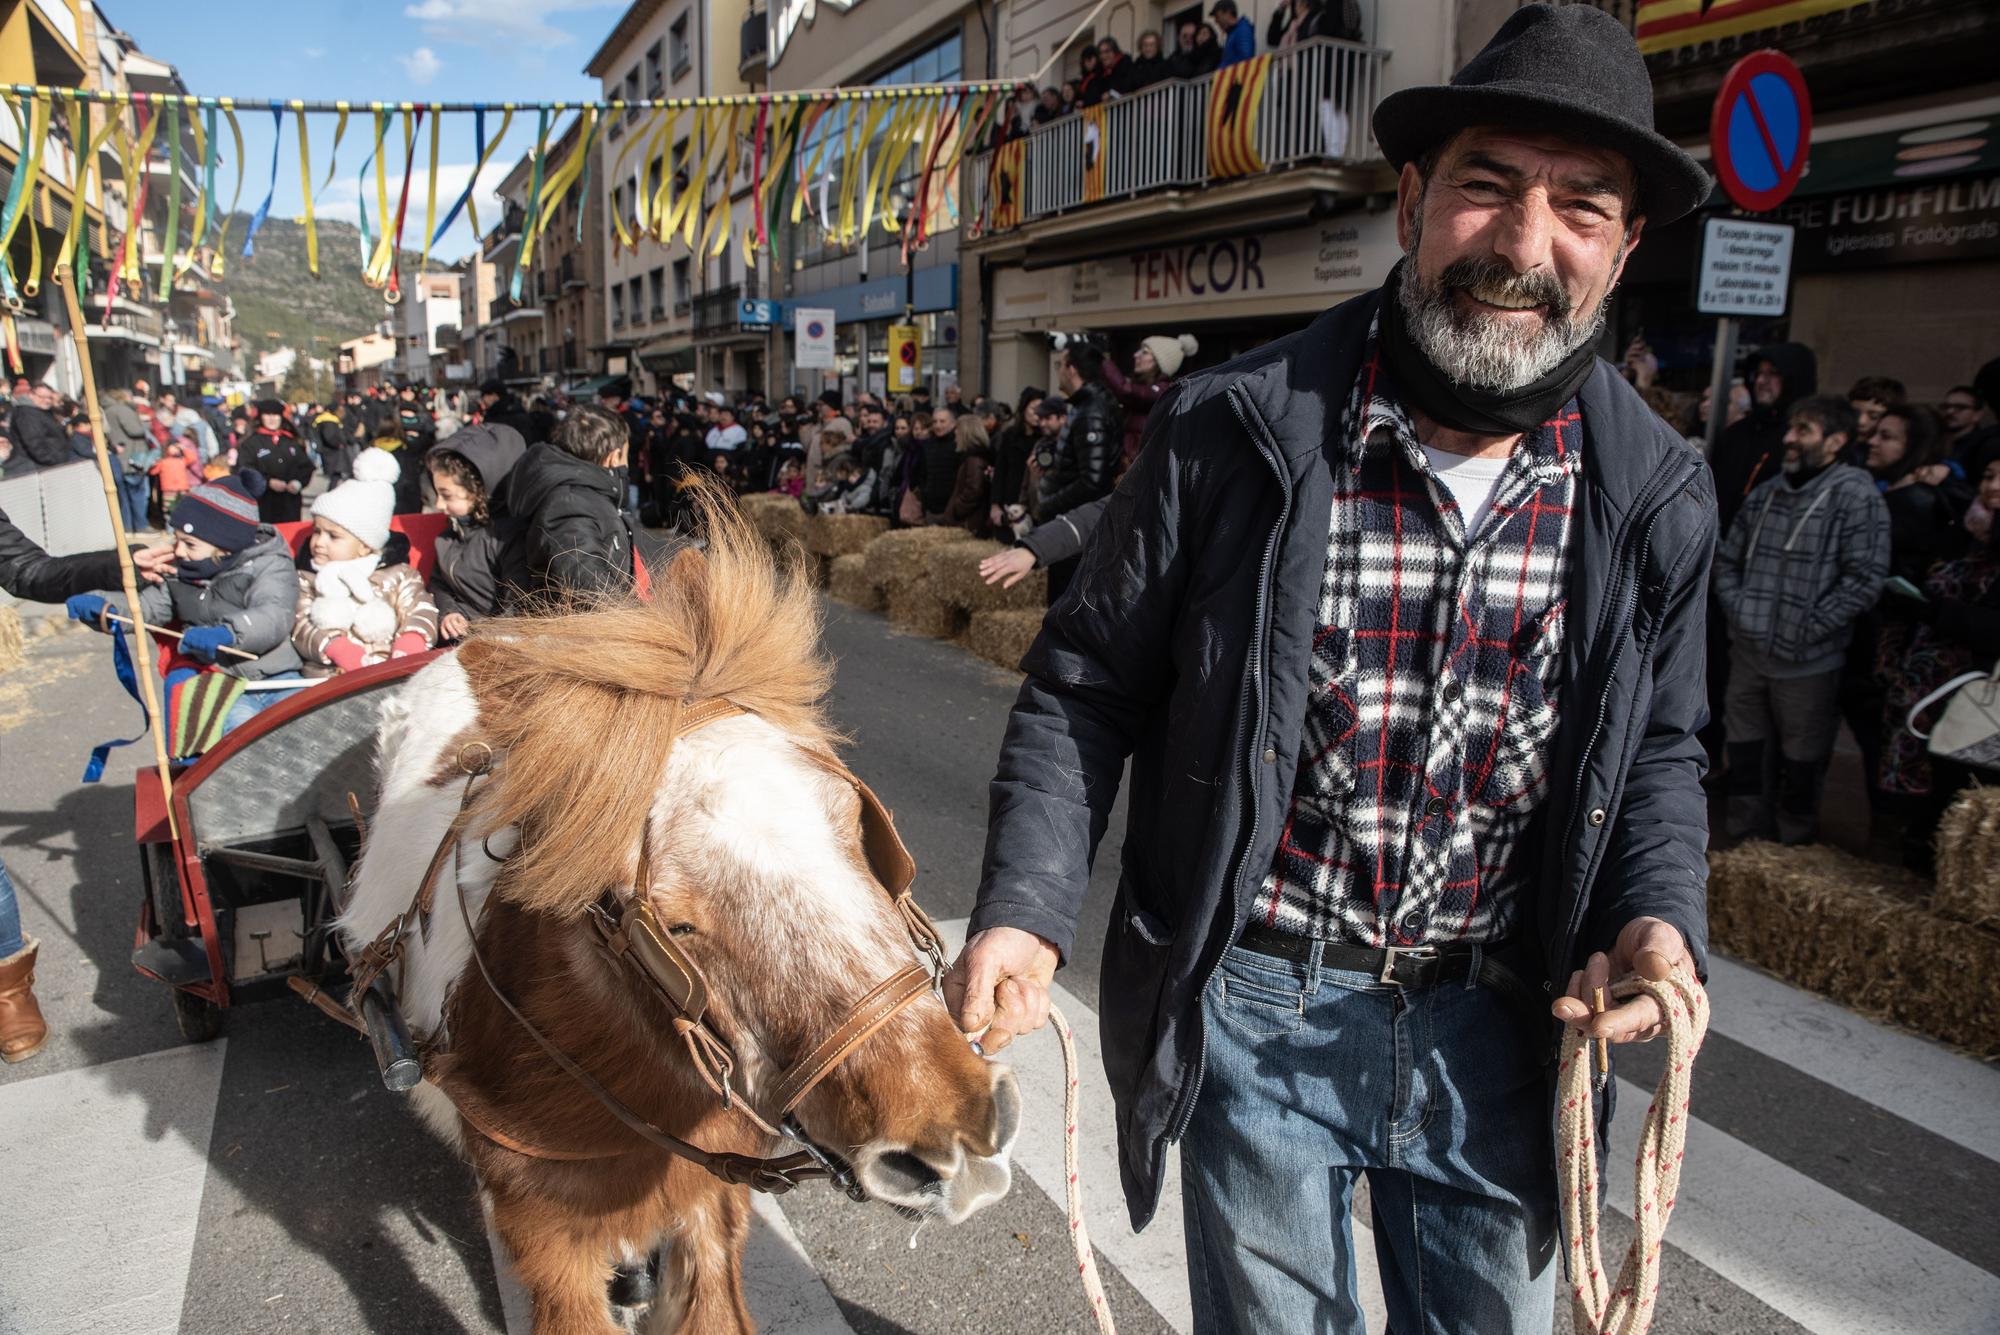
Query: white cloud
x,y
342,200
313,52
422,65
499,23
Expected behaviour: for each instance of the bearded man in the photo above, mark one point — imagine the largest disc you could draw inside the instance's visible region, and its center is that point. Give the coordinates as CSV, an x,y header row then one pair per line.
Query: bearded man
x,y
1400,620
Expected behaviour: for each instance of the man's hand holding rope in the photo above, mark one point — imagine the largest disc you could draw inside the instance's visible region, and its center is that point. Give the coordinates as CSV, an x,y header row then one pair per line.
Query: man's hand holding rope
x,y
1649,947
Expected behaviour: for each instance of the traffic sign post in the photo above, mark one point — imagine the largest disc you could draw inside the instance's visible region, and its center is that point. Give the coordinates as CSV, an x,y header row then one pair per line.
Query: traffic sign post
x,y
1759,138
905,358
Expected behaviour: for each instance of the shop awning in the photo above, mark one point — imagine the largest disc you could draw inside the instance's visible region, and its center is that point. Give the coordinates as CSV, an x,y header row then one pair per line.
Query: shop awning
x,y
668,356
590,389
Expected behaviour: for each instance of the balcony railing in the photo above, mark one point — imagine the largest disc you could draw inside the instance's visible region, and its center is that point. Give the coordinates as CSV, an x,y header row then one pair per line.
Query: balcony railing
x,y
716,309
1316,103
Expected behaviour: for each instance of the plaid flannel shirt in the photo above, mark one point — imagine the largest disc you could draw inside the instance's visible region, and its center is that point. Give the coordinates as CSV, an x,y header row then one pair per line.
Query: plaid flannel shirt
x,y
1433,682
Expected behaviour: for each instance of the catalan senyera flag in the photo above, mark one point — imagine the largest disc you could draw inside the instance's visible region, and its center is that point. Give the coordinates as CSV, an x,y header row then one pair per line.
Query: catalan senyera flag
x,y
1093,154
1233,98
1010,178
1662,25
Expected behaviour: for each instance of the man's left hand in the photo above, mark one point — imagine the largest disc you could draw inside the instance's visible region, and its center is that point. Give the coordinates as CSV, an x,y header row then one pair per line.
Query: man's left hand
x,y
1648,947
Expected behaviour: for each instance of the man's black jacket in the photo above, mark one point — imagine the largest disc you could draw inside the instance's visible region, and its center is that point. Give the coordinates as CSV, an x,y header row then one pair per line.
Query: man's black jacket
x,y
29,573
1184,643
40,436
569,534
1088,455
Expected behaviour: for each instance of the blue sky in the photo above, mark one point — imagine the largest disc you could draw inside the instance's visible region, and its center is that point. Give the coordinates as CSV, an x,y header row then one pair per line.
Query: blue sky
x,y
363,50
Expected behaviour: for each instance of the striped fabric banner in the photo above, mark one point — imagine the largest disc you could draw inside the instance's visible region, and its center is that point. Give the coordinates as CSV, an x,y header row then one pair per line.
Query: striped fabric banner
x,y
1233,99
1662,25
1010,163
1093,154
196,709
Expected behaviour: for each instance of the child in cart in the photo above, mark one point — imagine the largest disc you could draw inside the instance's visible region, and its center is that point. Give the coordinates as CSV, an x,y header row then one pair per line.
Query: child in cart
x,y
352,610
467,472
234,594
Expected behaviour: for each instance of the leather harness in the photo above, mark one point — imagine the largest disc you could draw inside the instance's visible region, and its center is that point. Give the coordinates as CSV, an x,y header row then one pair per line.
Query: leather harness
x,y
625,926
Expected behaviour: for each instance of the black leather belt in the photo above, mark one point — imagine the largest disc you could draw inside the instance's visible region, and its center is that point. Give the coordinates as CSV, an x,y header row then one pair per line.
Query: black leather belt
x,y
1409,967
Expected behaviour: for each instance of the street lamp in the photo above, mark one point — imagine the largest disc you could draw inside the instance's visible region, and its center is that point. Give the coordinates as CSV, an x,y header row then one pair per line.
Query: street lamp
x,y
900,206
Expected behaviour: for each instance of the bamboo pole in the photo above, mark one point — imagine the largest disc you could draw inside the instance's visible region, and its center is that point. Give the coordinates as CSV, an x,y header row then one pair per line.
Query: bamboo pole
x,y
149,691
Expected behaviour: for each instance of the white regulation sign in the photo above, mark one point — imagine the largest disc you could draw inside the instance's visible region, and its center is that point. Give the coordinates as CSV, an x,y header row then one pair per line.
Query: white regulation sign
x,y
1746,267
812,329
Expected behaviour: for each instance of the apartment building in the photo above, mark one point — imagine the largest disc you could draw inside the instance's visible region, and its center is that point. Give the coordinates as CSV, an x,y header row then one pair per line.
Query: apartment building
x,y
661,320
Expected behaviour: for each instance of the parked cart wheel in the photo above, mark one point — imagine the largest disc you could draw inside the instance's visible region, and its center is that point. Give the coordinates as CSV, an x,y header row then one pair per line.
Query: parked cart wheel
x,y
198,1019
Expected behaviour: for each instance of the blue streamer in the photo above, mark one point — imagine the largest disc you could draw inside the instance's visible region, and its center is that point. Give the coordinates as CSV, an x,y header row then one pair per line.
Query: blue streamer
x,y
277,142
121,659
478,156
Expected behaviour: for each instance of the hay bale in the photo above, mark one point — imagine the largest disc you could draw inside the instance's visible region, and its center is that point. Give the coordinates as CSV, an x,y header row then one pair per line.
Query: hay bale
x,y
842,535
13,644
777,517
1968,858
847,580
896,559
1861,934
916,609
1001,638
953,573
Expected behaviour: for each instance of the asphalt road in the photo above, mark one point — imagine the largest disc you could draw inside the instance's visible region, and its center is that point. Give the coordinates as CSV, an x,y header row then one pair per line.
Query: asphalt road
x,y
1841,1177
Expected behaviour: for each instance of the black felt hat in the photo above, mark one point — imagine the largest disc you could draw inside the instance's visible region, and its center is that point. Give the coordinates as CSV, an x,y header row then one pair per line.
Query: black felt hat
x,y
1569,69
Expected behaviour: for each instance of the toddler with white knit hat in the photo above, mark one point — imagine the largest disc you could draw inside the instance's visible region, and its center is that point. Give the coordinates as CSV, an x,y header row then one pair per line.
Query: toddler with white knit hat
x,y
354,611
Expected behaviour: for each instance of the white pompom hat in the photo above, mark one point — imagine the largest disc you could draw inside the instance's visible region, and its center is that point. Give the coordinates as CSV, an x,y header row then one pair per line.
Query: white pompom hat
x,y
364,504
1169,353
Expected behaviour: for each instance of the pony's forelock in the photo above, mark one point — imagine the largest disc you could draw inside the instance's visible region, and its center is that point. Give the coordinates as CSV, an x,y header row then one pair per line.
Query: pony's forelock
x,y
583,706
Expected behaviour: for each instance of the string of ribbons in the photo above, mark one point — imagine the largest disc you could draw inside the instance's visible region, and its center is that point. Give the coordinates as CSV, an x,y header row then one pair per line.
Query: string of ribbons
x,y
706,171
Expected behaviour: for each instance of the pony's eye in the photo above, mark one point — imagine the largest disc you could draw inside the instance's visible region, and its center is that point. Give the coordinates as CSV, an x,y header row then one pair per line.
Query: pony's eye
x,y
681,929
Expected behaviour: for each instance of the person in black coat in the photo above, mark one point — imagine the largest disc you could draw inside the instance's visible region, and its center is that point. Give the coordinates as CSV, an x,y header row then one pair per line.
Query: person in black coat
x,y
571,533
1149,66
37,432
278,454
32,575
934,471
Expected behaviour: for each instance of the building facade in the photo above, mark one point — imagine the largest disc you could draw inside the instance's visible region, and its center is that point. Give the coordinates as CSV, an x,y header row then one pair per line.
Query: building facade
x,y
429,305
656,322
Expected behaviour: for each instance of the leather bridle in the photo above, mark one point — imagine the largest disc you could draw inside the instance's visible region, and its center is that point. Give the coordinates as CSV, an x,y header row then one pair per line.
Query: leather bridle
x,y
625,926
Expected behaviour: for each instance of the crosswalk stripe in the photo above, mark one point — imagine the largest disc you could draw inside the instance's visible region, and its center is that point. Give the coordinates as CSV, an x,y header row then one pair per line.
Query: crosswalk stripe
x,y
1802,1248
95,1236
1899,1073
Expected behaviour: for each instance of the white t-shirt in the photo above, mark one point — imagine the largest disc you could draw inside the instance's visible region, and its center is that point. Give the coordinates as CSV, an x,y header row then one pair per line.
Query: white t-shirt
x,y
1470,482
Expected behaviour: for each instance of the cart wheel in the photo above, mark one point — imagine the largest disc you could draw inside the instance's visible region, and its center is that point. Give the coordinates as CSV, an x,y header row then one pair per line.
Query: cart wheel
x,y
198,1019
164,886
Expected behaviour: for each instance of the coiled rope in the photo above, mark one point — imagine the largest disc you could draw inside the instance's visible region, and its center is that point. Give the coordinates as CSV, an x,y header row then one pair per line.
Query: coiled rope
x,y
1626,1307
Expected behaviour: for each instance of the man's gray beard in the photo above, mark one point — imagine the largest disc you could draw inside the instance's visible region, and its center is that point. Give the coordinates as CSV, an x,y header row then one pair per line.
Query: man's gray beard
x,y
1482,351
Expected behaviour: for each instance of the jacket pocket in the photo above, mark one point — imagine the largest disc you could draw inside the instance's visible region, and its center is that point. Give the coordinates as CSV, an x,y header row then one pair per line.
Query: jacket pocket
x,y
1510,764
1132,978
1333,717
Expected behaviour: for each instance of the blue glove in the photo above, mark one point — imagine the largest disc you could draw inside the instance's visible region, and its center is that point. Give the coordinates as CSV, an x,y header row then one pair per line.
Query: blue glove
x,y
89,608
203,641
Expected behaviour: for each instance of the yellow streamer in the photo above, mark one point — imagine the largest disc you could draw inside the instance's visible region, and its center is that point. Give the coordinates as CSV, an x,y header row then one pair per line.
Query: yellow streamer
x,y
333,158
89,146
616,176
810,175
430,196
201,200
533,224
663,194
305,188
222,240
471,200
895,147
35,132
566,175
717,226
851,176
373,273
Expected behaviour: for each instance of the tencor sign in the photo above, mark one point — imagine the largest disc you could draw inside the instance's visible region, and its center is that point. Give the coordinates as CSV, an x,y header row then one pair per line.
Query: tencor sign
x,y
1261,272
1746,267
788,15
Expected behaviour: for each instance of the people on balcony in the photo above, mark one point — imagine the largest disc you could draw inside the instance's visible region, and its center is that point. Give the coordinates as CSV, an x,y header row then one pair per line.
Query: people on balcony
x,y
1150,65
1116,67
1239,39
1050,106
1295,21
1093,83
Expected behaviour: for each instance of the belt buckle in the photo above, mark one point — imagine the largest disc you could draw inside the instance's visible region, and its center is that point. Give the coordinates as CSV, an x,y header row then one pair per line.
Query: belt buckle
x,y
1390,954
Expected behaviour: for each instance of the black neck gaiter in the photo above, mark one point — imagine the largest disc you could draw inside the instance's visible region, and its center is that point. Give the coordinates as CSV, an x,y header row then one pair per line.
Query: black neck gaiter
x,y
1461,407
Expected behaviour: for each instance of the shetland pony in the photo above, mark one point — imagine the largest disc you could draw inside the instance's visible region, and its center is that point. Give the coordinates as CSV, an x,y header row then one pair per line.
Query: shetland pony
x,y
754,861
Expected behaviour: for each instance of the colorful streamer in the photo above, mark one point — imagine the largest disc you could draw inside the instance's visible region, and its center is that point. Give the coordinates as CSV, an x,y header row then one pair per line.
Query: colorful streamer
x,y
306,190
257,218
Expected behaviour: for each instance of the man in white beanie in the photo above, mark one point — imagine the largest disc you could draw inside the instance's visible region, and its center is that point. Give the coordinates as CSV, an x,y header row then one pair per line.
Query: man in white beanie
x,y
353,610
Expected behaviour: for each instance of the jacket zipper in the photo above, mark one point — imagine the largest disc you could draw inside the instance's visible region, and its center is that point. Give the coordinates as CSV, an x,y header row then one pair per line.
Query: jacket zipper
x,y
1604,708
1264,447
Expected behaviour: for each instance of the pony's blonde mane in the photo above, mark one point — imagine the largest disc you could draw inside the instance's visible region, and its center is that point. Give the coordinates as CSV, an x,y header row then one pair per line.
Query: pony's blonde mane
x,y
583,707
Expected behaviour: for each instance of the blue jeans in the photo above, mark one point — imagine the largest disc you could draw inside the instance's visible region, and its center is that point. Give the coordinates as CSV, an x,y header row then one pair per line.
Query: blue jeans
x,y
135,493
252,703
1315,1076
10,917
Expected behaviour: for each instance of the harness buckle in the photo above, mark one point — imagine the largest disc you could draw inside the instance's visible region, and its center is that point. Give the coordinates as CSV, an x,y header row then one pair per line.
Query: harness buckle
x,y
1392,954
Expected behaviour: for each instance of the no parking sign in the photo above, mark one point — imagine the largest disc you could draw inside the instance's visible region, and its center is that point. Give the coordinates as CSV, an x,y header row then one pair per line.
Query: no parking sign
x,y
1761,130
